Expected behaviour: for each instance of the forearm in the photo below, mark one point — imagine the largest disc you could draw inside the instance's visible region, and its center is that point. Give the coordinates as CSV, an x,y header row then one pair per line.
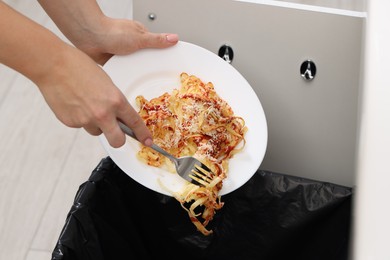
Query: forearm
x,y
28,47
79,20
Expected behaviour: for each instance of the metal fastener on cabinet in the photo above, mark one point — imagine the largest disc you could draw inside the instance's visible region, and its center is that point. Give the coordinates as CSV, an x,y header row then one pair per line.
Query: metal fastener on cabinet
x,y
226,53
308,70
152,16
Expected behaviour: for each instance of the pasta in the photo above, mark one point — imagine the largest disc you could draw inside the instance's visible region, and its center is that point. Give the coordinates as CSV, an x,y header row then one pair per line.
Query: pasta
x,y
194,121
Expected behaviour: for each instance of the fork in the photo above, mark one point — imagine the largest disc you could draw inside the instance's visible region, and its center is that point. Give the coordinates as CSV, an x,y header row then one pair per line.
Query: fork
x,y
188,167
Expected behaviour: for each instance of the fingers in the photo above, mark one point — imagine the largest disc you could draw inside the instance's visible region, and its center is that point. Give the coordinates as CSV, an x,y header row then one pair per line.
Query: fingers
x,y
154,40
131,118
114,135
93,130
104,119
110,128
117,138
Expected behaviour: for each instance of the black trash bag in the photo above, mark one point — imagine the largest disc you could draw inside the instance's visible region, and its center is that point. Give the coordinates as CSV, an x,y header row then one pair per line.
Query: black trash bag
x,y
273,216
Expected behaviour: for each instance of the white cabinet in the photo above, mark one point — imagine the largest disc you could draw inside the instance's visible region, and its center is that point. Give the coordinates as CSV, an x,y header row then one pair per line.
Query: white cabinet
x,y
312,125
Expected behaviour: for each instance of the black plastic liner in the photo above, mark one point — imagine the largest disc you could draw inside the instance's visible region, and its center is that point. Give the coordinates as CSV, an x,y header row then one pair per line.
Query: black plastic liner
x,y
273,216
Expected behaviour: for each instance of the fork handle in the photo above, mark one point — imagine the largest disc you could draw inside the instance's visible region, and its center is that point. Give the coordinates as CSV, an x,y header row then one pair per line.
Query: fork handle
x,y
155,147
127,130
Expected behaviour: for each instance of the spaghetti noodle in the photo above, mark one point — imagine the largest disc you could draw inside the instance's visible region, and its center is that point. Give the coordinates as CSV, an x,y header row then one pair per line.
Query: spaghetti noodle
x,y
194,121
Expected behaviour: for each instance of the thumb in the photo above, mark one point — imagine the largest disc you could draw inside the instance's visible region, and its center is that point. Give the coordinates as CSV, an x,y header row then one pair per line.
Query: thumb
x,y
160,40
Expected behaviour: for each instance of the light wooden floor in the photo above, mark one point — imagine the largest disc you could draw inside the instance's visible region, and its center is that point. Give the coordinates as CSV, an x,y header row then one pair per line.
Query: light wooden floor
x,y
42,162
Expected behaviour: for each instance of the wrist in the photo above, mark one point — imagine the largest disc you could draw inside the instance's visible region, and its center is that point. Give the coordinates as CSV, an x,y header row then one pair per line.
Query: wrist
x,y
53,67
90,38
80,21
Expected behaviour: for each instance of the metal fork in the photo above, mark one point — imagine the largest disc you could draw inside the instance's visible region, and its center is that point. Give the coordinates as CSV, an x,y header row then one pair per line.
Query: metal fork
x,y
188,167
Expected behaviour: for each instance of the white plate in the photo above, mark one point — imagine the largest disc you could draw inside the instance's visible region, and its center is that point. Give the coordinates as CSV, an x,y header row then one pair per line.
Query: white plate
x,y
151,72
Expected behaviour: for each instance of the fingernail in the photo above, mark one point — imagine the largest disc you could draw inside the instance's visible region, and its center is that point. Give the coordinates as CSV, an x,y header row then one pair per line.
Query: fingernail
x,y
172,37
148,142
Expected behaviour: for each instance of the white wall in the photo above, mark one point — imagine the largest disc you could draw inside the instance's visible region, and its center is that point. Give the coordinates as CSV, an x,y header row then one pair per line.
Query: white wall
x,y
117,8
372,208
352,5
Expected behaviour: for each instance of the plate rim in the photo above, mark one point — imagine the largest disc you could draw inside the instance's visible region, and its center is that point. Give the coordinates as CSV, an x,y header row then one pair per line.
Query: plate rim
x,y
183,44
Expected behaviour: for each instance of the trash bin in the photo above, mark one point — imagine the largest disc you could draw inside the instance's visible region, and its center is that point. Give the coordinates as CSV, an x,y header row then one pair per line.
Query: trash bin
x,y
273,216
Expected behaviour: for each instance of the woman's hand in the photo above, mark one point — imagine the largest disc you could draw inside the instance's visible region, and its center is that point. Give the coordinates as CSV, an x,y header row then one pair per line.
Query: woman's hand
x,y
121,36
85,25
84,96
77,89
81,94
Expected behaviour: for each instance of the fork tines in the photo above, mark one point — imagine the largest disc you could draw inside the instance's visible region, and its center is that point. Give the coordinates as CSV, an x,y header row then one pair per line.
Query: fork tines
x,y
202,175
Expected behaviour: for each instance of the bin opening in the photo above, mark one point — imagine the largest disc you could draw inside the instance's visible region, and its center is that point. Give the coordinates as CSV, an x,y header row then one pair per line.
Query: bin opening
x,y
273,216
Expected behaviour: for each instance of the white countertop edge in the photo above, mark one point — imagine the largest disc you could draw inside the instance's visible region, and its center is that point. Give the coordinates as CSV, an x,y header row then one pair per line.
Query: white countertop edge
x,y
308,7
